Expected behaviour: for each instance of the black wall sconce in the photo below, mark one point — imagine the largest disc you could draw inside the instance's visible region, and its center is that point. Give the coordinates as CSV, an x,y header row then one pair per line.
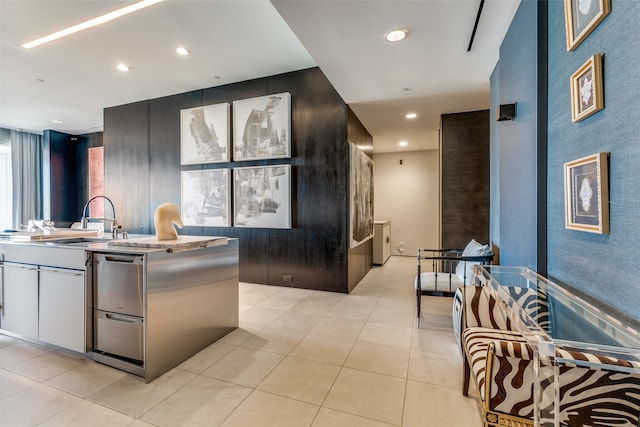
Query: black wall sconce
x,y
506,112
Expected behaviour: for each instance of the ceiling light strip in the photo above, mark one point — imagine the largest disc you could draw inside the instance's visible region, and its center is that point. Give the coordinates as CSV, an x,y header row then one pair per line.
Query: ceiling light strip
x,y
92,23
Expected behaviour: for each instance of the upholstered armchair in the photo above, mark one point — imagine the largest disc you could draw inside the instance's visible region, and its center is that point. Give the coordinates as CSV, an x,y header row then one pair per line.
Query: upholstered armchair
x,y
500,363
595,390
451,269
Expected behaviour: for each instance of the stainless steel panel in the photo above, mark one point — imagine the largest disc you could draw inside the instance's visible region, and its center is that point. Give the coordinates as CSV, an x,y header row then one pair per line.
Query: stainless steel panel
x,y
119,334
41,254
192,301
119,283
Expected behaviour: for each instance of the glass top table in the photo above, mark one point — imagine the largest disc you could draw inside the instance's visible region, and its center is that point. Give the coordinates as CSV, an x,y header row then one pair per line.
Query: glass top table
x,y
558,325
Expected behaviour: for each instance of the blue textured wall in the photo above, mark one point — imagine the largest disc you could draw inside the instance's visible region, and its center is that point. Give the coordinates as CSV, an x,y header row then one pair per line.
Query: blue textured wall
x,y
606,267
514,143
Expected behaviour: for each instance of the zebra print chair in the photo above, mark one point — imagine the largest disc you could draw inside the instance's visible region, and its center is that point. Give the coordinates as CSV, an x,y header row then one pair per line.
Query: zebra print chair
x,y
502,366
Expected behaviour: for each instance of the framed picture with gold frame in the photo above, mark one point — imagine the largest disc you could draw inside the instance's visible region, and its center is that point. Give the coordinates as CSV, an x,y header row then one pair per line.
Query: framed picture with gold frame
x,y
587,95
582,17
586,194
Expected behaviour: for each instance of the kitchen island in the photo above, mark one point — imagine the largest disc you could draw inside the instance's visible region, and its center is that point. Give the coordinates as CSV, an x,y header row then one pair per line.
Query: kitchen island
x,y
139,305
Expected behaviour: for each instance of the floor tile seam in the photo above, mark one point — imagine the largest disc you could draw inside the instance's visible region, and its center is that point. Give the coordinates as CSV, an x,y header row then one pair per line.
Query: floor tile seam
x,y
318,407
79,400
375,373
361,416
24,375
239,403
273,393
458,388
78,395
270,325
44,380
24,360
266,350
388,345
167,396
379,373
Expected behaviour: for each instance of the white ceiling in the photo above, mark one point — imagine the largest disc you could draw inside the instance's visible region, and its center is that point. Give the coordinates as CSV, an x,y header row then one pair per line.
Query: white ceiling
x,y
73,78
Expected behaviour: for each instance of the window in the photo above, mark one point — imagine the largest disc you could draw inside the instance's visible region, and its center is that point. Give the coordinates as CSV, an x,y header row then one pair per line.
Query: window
x,y
6,201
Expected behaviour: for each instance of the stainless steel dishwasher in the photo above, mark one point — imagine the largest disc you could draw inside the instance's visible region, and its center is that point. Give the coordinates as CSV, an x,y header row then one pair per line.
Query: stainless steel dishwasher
x,y
119,305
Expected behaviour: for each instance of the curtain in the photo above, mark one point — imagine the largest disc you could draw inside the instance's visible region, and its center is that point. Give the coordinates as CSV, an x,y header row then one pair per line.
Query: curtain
x,y
6,203
26,161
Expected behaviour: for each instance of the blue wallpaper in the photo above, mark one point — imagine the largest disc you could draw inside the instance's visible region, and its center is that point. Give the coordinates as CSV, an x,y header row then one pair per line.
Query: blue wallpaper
x,y
514,143
602,266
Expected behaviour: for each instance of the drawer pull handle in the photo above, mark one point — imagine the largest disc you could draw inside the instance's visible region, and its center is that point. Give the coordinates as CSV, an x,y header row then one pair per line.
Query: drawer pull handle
x,y
119,319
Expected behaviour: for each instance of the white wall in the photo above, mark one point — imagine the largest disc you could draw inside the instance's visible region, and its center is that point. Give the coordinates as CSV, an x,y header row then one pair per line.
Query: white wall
x,y
408,196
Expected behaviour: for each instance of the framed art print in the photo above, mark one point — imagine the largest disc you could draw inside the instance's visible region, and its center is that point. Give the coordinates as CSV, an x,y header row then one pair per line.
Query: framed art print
x,y
204,134
262,127
262,196
361,196
205,198
587,194
587,95
582,17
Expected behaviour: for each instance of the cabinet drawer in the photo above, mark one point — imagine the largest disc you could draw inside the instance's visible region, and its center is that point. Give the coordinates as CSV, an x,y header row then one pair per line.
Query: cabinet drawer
x,y
119,334
40,254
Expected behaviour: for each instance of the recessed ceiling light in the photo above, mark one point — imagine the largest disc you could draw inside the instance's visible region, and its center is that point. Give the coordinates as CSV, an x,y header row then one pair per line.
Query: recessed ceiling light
x,y
396,35
406,89
58,122
411,116
403,143
91,23
182,51
123,67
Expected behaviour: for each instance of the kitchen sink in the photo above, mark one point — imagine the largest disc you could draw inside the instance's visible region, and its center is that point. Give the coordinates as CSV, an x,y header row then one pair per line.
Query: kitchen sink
x,y
76,241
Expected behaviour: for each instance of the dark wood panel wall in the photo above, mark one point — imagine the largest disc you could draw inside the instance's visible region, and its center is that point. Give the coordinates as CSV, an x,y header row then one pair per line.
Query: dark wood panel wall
x,y
142,170
60,149
360,257
465,178
67,173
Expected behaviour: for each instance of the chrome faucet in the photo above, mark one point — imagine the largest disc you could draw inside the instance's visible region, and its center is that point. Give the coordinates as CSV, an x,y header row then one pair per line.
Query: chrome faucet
x,y
114,224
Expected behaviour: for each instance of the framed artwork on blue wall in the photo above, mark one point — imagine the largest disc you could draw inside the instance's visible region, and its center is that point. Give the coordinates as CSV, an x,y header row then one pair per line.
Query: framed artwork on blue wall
x,y
586,194
587,97
582,17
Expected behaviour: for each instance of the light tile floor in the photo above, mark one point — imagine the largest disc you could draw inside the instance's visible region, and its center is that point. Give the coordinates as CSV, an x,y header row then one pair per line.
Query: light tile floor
x,y
300,358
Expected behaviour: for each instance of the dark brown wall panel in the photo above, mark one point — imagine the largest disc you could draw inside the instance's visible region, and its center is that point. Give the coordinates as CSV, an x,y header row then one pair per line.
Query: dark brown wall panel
x,y
142,150
465,178
85,142
126,165
360,257
63,177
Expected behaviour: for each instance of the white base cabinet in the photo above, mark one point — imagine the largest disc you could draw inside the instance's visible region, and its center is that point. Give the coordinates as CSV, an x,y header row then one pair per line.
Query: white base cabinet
x,y
20,300
41,302
381,242
62,309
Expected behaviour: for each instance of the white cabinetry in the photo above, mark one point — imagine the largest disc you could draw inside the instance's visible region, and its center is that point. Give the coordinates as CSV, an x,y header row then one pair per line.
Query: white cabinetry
x,y
20,300
42,302
62,308
381,242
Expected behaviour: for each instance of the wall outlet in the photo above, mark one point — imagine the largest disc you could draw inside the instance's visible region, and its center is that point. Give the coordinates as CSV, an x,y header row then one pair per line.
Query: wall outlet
x,y
287,278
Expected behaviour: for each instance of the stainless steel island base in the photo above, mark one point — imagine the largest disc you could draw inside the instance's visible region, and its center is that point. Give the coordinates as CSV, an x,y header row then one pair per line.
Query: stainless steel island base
x,y
190,301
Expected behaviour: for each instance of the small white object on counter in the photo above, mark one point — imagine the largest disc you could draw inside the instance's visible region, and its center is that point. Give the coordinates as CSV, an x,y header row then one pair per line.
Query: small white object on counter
x,y
164,217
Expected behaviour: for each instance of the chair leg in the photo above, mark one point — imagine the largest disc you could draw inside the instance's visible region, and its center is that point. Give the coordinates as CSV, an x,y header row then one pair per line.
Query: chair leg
x,y
466,375
418,298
